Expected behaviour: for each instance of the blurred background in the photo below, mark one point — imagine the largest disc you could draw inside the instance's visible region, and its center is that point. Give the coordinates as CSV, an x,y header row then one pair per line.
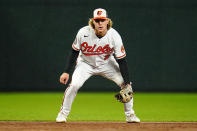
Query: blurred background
x,y
160,37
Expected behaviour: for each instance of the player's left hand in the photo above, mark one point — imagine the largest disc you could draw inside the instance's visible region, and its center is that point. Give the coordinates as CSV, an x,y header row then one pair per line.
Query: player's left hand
x,y
125,94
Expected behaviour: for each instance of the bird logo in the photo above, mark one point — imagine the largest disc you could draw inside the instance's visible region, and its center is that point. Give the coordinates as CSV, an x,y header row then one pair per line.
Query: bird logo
x,y
99,13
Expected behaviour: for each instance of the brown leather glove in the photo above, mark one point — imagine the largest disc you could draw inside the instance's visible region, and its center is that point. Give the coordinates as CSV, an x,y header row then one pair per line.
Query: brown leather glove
x,y
125,94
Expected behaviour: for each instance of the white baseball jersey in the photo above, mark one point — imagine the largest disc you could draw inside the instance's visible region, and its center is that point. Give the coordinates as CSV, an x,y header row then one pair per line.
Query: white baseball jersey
x,y
98,51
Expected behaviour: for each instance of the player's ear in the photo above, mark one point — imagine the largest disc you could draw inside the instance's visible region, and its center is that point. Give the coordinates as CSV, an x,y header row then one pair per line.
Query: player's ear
x,y
110,23
107,20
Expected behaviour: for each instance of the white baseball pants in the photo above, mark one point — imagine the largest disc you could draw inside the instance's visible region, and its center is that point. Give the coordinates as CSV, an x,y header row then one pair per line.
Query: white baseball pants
x,y
82,72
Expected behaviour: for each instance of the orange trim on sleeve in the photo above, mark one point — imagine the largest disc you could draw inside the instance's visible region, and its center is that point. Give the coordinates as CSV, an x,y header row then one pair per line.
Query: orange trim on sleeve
x,y
121,56
73,46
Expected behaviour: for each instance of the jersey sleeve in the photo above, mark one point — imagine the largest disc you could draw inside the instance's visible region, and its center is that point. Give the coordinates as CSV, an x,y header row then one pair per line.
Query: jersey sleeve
x,y
76,43
119,49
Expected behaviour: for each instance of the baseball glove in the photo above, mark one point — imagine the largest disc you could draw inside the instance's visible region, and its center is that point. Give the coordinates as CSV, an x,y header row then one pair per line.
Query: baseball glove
x,y
125,94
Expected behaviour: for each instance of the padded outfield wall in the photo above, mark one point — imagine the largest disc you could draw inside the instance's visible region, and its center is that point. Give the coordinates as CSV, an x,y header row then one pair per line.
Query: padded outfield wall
x,y
159,36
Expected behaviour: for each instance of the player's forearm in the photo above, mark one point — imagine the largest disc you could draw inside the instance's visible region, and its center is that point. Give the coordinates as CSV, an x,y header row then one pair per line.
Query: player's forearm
x,y
124,70
71,61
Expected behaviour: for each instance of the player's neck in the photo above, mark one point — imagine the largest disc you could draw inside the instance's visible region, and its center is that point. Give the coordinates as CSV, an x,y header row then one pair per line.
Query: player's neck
x,y
100,33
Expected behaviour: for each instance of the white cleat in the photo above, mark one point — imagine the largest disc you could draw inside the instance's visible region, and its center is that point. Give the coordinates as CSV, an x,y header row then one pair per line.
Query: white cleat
x,y
132,119
61,117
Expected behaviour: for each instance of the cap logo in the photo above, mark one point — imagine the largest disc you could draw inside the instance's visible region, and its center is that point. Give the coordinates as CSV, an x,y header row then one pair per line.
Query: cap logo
x,y
99,13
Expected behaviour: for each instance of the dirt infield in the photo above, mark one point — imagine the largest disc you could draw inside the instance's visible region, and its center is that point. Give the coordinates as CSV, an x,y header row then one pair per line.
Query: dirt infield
x,y
97,126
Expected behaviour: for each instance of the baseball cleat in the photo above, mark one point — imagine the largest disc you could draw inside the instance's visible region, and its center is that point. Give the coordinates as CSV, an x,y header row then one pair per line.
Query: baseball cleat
x,y
61,117
132,119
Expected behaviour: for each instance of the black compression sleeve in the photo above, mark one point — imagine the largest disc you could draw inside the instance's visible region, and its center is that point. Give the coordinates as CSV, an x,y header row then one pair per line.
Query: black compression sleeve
x,y
71,61
124,70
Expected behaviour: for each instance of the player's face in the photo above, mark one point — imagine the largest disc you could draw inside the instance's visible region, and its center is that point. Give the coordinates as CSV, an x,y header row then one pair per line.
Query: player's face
x,y
101,26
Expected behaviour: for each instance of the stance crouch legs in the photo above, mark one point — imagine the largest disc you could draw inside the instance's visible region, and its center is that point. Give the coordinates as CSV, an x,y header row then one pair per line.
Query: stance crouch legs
x,y
80,75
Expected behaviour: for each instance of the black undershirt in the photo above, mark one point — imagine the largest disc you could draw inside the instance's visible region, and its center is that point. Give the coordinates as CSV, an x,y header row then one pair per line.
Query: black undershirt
x,y
71,61
124,70
122,65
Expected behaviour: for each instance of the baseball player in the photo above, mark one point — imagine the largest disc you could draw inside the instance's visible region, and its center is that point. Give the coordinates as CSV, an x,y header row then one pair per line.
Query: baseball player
x,y
97,50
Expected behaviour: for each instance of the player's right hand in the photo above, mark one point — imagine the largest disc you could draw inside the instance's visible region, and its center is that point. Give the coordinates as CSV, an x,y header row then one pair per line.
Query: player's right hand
x,y
64,78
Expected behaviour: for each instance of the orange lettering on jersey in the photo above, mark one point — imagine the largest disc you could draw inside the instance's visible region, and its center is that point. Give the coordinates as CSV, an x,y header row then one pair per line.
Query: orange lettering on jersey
x,y
89,50
106,57
99,49
107,49
84,46
93,48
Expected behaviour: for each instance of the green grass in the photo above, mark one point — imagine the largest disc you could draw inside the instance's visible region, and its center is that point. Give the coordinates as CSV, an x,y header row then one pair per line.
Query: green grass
x,y
98,107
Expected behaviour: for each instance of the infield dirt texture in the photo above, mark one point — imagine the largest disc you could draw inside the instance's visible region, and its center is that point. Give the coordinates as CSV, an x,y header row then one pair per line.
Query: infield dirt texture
x,y
98,126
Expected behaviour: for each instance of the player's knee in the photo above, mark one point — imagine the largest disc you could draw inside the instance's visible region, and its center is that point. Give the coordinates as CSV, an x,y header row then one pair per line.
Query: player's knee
x,y
119,81
76,86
